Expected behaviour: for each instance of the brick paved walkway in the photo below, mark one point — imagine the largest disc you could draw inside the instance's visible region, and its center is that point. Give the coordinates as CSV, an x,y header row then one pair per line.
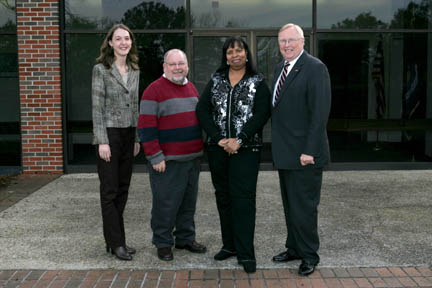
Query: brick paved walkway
x,y
324,277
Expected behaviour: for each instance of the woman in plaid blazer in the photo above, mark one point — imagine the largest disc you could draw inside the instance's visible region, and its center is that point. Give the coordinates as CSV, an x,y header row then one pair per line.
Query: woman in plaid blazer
x,y
115,115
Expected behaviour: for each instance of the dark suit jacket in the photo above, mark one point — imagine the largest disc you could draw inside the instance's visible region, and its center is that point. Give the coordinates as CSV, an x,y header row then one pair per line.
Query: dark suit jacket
x,y
299,119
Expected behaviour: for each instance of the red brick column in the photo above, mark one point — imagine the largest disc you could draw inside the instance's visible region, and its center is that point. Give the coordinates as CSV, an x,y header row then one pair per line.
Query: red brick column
x,y
38,34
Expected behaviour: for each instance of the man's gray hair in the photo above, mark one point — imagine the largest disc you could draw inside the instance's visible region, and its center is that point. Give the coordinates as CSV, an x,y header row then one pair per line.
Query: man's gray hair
x,y
290,25
174,50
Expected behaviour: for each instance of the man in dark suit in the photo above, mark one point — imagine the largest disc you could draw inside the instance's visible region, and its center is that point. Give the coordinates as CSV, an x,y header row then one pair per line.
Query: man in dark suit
x,y
301,106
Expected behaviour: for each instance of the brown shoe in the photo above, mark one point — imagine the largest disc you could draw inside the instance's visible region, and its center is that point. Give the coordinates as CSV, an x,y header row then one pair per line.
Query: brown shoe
x,y
165,254
193,247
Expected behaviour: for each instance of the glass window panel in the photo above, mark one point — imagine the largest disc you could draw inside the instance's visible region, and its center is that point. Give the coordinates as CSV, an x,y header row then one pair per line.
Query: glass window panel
x,y
381,95
137,14
250,13
10,143
151,49
370,146
372,14
269,56
7,15
207,58
81,52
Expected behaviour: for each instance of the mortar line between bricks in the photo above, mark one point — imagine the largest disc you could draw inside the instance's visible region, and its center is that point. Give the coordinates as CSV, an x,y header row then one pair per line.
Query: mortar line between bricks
x,y
174,279
40,276
27,275
159,278
99,279
10,277
143,280
85,276
114,279
52,280
129,279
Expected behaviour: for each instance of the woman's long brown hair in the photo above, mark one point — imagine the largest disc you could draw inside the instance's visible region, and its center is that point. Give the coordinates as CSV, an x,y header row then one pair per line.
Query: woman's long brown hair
x,y
107,56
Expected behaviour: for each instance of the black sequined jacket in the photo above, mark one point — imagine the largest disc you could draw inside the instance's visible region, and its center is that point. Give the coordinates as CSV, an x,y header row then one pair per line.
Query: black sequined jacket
x,y
234,112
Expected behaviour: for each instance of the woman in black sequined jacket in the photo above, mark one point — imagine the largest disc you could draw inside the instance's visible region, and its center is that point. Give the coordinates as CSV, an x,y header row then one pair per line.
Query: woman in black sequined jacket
x,y
232,110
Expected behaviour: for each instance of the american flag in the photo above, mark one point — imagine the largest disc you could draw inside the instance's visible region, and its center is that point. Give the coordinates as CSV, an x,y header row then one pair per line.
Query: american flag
x,y
378,78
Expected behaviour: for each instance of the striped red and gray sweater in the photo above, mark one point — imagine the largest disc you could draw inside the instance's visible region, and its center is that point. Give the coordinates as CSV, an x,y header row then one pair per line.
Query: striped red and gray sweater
x,y
167,125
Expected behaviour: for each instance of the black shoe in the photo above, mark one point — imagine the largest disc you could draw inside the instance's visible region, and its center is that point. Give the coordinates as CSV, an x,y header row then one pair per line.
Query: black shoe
x,y
224,254
121,253
249,266
306,268
130,250
165,254
193,247
286,256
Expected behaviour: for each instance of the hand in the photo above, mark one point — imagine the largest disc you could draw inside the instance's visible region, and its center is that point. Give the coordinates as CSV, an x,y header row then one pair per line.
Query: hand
x,y
136,149
223,142
232,146
105,152
306,159
160,167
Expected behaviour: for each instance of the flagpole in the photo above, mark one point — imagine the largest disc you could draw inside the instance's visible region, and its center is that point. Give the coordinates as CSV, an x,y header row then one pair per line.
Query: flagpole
x,y
378,78
377,144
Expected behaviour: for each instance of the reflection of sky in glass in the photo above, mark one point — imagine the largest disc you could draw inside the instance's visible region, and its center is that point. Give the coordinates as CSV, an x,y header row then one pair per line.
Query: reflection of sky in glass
x,y
250,13
112,9
332,11
6,14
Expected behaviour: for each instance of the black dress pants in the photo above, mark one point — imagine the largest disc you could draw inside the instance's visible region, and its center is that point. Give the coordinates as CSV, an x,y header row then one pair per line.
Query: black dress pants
x,y
300,190
114,179
234,179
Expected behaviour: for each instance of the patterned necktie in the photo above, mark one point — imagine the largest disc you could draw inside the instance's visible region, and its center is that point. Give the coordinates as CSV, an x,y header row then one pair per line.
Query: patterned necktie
x,y
281,82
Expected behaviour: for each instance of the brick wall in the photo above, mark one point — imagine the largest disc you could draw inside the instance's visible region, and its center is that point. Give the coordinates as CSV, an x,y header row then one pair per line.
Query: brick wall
x,y
38,34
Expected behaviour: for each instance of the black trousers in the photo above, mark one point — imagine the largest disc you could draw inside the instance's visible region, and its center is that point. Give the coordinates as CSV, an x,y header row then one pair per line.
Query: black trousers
x,y
174,200
114,179
234,179
300,190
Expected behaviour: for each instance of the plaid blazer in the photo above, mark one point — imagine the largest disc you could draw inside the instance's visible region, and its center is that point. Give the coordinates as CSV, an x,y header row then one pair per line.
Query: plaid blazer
x,y
114,103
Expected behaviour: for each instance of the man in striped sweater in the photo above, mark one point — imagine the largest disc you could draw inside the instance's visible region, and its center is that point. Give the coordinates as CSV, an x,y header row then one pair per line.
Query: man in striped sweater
x,y
171,137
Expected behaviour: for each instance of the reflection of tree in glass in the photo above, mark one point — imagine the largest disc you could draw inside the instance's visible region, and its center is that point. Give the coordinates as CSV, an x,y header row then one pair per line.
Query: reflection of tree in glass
x,y
207,58
151,47
78,22
414,16
209,19
151,15
7,5
10,9
363,21
8,26
214,19
268,56
74,21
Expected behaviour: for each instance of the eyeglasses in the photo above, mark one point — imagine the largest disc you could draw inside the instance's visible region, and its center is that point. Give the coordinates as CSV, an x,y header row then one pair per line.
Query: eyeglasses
x,y
289,41
172,65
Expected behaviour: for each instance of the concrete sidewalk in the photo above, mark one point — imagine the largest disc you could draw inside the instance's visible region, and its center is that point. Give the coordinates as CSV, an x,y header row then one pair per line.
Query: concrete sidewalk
x,y
367,219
